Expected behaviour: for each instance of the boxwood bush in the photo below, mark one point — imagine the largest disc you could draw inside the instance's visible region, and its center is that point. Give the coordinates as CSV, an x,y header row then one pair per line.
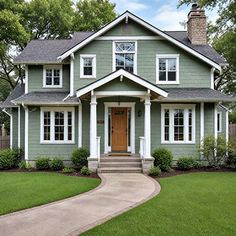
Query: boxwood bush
x,y
186,163
10,158
163,158
42,163
155,171
85,171
79,157
56,164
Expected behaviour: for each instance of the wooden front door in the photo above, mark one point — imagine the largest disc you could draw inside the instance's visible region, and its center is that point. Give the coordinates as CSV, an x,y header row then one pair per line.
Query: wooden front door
x,y
119,129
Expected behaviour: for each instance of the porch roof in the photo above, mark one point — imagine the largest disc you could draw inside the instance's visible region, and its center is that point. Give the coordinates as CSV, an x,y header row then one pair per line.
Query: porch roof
x,y
153,89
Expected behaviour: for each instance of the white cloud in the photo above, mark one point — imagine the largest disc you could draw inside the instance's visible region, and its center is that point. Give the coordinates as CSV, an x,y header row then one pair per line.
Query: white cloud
x,y
168,17
131,5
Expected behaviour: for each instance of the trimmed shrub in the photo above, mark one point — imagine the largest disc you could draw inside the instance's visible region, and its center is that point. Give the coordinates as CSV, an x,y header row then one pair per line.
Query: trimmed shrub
x,y
68,170
56,164
22,165
186,163
79,157
85,171
10,158
155,171
163,158
42,163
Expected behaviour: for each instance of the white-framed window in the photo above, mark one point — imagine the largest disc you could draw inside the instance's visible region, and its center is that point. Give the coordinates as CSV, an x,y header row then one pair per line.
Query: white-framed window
x,y
87,66
178,123
167,68
52,76
125,56
219,121
57,125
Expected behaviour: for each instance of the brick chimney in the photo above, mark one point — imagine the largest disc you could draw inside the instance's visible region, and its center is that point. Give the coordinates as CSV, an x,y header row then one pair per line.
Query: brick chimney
x,y
196,25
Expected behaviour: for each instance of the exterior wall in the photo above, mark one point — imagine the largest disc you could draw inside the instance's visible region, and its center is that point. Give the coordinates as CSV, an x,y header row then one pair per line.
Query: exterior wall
x,y
223,130
36,149
35,79
22,128
15,128
209,119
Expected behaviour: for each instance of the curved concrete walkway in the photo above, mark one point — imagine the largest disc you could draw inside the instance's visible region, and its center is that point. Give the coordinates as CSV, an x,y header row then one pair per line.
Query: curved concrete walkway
x,y
117,193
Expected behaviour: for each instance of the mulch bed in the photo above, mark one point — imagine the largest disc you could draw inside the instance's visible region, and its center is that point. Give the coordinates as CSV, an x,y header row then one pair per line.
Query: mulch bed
x,y
175,171
78,174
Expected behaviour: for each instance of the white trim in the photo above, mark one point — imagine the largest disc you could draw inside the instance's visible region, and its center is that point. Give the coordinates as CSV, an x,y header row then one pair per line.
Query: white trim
x,y
72,75
134,52
120,93
80,121
227,126
146,25
220,120
116,74
132,128
26,133
129,38
11,126
171,108
94,67
147,127
167,56
52,111
52,67
19,114
212,78
93,127
26,79
202,120
215,121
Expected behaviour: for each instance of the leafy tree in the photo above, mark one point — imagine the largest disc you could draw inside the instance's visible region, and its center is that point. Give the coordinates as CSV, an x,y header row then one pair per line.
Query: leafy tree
x,y
90,15
223,39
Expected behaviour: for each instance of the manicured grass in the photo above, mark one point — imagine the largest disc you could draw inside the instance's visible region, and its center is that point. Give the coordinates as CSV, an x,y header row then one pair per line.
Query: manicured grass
x,y
192,204
24,190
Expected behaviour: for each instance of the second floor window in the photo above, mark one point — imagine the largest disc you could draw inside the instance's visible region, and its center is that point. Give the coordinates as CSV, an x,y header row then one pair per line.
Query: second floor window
x,y
125,56
52,76
167,69
88,66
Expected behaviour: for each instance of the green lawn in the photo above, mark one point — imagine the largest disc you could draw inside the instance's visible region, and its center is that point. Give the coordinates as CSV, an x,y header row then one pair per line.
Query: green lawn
x,y
24,190
192,204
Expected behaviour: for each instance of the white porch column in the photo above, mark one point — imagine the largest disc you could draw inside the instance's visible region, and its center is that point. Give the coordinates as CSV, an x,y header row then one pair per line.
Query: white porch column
x,y
202,122
93,127
147,127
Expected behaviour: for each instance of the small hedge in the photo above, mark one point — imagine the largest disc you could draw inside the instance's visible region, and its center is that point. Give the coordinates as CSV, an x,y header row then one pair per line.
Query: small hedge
x,y
186,163
79,157
56,164
163,158
155,171
85,171
42,163
68,170
10,158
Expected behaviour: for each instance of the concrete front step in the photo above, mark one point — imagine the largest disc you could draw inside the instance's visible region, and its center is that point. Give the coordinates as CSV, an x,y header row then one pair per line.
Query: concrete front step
x,y
120,159
120,164
120,170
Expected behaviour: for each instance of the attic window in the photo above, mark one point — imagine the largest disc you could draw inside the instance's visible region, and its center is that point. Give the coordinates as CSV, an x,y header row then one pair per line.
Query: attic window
x,y
124,56
87,66
52,76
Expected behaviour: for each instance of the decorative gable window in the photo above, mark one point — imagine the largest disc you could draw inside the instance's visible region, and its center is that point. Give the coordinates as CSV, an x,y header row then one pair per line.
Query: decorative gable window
x,y
57,125
87,66
178,123
52,76
167,67
125,56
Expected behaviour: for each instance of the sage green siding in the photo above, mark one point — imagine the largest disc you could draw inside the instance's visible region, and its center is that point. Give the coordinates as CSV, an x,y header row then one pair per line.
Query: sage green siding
x,y
209,119
15,127
22,127
223,124
35,80
50,150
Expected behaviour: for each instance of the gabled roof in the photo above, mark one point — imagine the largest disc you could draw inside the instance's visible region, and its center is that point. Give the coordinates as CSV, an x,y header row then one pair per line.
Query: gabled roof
x,y
126,15
145,83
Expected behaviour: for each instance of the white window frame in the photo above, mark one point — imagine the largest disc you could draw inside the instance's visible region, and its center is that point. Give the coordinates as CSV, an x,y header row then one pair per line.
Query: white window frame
x,y
94,66
52,111
167,56
171,108
114,53
52,67
220,121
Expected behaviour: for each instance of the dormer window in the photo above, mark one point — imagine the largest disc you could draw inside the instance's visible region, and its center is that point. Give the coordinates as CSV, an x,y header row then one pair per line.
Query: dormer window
x,y
52,76
167,69
124,56
87,66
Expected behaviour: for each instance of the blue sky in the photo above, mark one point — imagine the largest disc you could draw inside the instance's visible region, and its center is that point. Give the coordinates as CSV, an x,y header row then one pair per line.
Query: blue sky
x,y
161,13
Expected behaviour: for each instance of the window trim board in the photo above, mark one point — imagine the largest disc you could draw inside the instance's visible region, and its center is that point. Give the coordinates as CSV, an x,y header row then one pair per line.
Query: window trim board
x,y
94,66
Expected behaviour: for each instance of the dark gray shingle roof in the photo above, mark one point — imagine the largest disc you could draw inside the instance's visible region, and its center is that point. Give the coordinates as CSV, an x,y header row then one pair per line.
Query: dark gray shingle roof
x,y
15,93
37,98
41,51
198,95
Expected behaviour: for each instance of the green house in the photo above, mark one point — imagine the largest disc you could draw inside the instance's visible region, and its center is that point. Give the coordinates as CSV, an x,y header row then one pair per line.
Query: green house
x,y
121,92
